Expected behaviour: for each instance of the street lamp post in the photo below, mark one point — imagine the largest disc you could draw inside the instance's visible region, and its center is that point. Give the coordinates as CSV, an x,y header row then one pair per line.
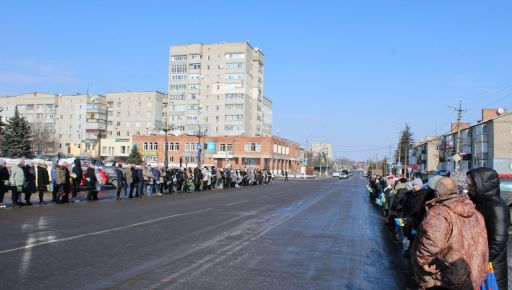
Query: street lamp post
x,y
166,129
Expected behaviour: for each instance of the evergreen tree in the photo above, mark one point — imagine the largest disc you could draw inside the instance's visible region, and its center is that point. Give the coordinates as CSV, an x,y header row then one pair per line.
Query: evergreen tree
x,y
134,157
16,141
405,143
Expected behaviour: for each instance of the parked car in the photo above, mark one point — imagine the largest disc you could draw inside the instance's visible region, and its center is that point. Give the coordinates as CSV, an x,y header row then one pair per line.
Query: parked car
x,y
111,176
506,193
336,174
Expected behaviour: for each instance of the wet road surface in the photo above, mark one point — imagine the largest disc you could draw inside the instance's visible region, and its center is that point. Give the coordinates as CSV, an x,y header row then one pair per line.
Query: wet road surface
x,y
303,234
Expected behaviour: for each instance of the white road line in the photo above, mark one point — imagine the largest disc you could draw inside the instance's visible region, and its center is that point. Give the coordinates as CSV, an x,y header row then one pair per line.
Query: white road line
x,y
239,202
101,232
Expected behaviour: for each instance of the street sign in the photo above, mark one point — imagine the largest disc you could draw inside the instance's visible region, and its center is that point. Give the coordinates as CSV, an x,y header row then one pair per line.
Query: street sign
x,y
198,146
456,158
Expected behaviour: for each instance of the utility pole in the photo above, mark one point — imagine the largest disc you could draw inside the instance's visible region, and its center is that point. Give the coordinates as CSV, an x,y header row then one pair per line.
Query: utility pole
x,y
460,111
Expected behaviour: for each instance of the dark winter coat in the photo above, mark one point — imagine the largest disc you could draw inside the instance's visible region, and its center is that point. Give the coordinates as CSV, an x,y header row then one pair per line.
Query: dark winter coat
x,y
43,178
120,177
30,179
414,203
137,175
497,218
67,180
4,176
91,176
77,170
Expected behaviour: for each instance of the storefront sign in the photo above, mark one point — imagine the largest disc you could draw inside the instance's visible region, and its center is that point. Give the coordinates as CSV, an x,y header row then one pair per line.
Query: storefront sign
x,y
211,147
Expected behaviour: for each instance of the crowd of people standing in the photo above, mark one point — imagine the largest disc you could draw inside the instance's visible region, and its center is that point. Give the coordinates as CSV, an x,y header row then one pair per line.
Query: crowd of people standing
x,y
65,181
140,180
454,226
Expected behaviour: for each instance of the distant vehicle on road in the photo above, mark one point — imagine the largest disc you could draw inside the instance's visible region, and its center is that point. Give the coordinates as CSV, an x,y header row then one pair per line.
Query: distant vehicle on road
x,y
336,174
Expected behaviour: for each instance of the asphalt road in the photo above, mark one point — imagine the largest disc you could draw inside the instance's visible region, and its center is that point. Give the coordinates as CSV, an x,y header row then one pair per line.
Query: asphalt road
x,y
302,234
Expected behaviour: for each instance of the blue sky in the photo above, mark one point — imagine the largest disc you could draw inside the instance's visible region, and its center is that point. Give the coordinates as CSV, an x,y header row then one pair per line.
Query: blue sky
x,y
350,73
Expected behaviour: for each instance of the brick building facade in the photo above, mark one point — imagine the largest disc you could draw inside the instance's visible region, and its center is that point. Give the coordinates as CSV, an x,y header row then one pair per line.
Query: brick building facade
x,y
263,152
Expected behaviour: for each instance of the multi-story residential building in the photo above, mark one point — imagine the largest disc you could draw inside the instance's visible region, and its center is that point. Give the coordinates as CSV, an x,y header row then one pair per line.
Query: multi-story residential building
x,y
264,152
39,109
447,146
134,113
321,147
487,143
218,89
424,156
70,123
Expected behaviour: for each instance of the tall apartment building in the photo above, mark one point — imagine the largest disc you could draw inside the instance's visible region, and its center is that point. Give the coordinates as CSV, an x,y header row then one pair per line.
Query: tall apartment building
x,y
39,109
321,147
69,124
134,113
218,88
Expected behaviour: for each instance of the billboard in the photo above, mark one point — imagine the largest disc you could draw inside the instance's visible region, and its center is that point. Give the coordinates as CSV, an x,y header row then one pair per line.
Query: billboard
x,y
211,147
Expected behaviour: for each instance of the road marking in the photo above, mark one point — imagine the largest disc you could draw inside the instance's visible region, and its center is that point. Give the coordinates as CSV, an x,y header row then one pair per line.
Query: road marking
x,y
201,265
51,241
239,202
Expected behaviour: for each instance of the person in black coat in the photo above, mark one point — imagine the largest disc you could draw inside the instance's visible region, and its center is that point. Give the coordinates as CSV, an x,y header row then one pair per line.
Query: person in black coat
x,y
76,177
4,181
29,187
198,177
120,180
484,191
43,180
92,194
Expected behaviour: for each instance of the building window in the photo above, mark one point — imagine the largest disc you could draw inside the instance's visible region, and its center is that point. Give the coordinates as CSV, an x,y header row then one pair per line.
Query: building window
x,y
233,128
178,69
180,77
178,58
252,147
235,55
174,146
195,56
234,96
234,76
177,97
194,76
231,107
234,117
191,117
195,66
234,65
250,161
180,87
